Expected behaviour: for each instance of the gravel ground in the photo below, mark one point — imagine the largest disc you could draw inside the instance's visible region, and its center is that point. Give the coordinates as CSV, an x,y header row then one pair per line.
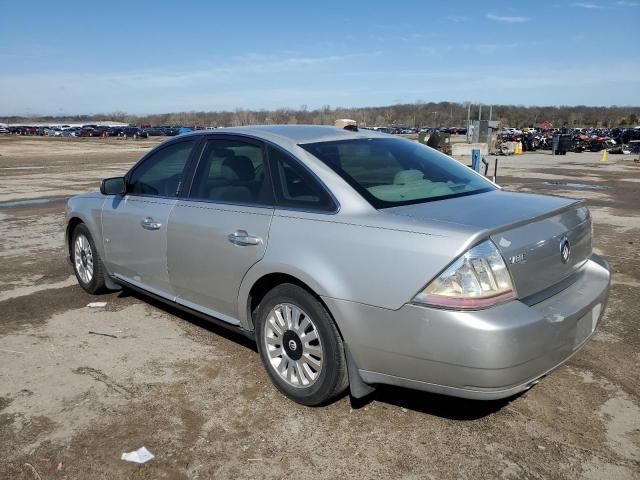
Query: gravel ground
x,y
199,399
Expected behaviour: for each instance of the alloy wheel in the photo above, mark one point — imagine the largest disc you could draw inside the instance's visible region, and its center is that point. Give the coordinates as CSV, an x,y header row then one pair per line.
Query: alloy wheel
x,y
293,345
83,258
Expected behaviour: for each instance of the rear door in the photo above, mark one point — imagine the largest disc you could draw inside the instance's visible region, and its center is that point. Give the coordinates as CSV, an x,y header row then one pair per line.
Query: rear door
x,y
221,229
135,225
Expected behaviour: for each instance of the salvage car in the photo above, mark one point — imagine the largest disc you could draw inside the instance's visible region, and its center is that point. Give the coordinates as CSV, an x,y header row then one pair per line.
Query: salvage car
x,y
353,258
92,131
132,132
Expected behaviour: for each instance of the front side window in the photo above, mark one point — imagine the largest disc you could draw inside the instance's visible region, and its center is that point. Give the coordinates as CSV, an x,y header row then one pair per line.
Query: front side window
x,y
232,171
161,174
392,172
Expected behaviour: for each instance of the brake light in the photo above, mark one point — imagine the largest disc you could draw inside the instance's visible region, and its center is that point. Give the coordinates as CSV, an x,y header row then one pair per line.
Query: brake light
x,y
477,279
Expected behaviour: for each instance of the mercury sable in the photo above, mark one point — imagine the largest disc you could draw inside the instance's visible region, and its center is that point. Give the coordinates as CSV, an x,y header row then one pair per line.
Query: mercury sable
x,y
353,258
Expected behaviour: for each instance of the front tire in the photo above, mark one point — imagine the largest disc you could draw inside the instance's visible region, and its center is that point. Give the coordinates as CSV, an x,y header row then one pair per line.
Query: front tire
x,y
87,264
300,346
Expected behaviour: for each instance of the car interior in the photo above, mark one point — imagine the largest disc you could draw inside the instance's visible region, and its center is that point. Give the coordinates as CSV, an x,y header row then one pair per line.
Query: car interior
x,y
230,174
392,174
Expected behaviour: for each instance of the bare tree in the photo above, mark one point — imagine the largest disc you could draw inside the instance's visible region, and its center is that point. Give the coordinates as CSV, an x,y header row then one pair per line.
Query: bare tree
x,y
418,114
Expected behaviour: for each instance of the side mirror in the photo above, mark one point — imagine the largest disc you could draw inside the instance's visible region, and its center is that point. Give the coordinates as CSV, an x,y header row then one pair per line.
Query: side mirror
x,y
113,186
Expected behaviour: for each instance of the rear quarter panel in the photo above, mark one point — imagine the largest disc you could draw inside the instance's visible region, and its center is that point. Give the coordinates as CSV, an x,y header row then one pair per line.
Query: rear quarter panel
x,y
371,264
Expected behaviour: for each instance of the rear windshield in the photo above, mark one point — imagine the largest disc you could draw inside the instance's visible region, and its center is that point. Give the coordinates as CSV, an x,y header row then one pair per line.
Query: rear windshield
x,y
389,172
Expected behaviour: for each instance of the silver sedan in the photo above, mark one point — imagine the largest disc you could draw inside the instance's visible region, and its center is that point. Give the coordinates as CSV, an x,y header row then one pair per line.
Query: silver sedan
x,y
353,258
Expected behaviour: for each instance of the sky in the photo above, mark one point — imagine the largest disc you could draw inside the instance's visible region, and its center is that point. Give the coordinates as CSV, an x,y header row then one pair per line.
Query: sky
x,y
142,57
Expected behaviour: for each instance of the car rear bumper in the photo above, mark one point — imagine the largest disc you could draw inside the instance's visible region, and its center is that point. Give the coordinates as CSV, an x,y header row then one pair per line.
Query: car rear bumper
x,y
484,354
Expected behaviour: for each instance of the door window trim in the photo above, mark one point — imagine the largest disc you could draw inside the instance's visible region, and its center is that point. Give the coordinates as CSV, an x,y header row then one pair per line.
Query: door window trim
x,y
189,181
186,173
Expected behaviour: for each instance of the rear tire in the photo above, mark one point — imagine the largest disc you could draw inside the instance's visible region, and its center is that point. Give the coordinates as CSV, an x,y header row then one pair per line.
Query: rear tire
x,y
300,346
87,264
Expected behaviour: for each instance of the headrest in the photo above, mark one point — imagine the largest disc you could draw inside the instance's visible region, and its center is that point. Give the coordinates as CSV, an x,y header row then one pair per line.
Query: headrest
x,y
238,168
408,176
226,152
220,152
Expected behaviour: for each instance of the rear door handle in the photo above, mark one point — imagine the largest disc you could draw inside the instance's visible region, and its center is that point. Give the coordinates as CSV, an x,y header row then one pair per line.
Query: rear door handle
x,y
149,224
242,238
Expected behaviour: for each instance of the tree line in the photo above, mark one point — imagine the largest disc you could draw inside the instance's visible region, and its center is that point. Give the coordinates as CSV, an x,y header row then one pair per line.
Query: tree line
x,y
419,114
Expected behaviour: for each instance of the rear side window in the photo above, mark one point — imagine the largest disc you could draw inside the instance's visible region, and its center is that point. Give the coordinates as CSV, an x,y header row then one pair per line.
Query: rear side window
x,y
232,171
295,187
161,173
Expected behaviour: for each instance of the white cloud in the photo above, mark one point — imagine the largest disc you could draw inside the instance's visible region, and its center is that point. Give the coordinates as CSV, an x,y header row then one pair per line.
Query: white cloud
x,y
235,83
260,63
534,84
476,47
507,19
588,6
257,81
489,47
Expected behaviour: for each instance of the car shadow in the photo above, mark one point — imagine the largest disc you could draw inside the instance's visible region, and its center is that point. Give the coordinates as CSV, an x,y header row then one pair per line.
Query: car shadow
x,y
221,331
444,406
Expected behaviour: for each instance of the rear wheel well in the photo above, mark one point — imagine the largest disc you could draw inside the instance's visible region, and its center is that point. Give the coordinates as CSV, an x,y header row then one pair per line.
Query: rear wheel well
x,y
269,282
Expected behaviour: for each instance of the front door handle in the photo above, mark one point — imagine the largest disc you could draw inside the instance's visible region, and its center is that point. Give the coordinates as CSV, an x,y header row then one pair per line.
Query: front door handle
x,y
149,224
242,238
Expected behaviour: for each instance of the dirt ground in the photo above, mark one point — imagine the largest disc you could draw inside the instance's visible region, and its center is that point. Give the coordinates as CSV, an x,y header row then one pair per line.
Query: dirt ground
x,y
198,398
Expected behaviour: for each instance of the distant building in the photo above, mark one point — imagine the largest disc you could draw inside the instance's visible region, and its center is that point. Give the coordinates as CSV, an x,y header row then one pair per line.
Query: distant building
x,y
344,122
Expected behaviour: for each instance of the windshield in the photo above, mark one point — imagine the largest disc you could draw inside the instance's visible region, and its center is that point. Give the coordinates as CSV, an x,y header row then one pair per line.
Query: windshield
x,y
389,172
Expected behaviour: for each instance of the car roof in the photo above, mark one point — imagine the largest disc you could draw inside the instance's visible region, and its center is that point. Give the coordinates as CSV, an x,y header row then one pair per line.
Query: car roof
x,y
293,134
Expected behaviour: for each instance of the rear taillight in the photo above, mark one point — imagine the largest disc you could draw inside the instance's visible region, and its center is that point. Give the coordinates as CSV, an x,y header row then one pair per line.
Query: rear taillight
x,y
477,279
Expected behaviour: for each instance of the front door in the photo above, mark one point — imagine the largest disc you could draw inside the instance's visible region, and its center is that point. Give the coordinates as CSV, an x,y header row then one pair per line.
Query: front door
x,y
222,229
135,225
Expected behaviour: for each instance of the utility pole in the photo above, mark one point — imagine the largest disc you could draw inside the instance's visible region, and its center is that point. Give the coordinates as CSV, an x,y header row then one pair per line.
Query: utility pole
x,y
480,113
489,129
468,120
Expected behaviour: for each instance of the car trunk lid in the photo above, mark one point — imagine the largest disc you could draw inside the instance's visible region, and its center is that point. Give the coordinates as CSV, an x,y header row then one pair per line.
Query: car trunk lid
x,y
529,230
546,251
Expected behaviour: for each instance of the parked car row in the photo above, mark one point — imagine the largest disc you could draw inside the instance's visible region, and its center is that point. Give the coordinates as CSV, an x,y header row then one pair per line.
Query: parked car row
x,y
162,131
85,131
94,131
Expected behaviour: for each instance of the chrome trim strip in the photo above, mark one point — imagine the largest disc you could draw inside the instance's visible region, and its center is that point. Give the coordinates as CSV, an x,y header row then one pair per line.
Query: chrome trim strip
x,y
144,286
207,311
